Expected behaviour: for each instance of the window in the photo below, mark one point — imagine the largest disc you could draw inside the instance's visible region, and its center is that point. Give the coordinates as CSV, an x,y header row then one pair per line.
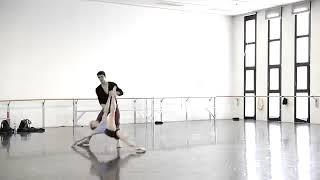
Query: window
x,y
274,67
302,66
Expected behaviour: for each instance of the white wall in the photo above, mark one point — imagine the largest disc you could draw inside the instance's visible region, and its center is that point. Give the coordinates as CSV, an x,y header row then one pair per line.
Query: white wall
x,y
287,60
238,62
262,64
315,60
287,112
53,49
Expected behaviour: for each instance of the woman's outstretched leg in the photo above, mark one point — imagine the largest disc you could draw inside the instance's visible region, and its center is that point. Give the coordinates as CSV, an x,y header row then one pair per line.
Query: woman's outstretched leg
x,y
110,118
111,125
125,139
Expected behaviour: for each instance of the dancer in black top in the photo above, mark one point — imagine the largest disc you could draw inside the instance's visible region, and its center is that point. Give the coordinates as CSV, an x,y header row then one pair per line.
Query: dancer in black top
x,y
102,92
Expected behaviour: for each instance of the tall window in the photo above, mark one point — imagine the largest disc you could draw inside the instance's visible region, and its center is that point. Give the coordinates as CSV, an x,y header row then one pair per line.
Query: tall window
x,y
302,65
274,64
250,66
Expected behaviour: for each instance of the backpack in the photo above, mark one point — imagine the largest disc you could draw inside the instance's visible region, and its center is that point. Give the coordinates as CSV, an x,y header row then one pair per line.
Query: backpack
x,y
285,101
24,124
24,127
5,127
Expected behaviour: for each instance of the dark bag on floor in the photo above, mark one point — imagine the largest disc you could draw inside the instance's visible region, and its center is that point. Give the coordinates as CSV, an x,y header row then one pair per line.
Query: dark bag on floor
x,y
24,124
25,127
285,101
5,127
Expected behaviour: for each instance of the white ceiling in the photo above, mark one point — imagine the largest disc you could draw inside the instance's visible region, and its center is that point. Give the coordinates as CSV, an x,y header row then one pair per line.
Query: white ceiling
x,y
225,7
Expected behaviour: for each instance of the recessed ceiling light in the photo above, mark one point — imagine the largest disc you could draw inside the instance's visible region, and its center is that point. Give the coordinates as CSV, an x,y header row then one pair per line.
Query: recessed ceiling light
x,y
272,15
169,3
301,9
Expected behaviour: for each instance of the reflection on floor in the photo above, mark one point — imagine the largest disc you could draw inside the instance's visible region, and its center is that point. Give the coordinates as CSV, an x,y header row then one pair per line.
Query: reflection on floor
x,y
224,149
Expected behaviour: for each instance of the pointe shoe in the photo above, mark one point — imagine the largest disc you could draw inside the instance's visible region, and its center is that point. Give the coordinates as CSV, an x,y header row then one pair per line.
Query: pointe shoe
x,y
140,150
